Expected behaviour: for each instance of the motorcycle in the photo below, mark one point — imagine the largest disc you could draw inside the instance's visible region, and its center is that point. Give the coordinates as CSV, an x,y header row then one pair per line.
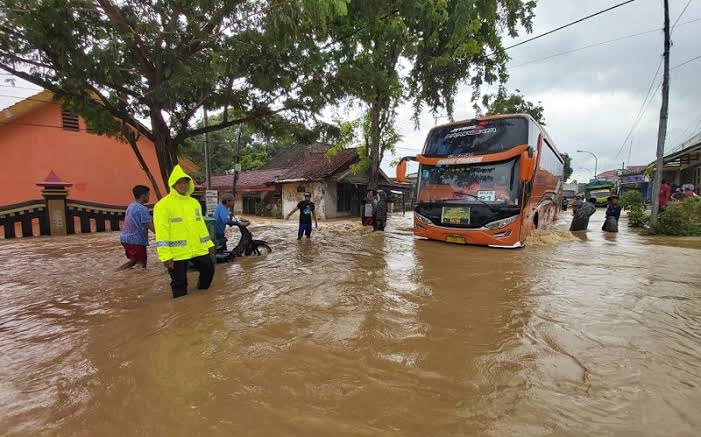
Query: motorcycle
x,y
247,246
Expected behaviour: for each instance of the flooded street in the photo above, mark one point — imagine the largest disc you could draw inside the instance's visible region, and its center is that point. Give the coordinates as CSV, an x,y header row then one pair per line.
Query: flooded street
x,y
354,333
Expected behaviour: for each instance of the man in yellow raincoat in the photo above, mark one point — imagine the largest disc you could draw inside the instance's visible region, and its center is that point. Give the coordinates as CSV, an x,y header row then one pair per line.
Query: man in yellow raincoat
x,y
181,234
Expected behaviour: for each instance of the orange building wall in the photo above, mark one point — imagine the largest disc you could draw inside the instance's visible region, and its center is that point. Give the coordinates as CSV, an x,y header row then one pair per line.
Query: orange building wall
x,y
101,169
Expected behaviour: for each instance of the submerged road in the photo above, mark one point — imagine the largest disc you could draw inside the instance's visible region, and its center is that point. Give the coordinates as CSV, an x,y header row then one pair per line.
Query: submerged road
x,y
355,333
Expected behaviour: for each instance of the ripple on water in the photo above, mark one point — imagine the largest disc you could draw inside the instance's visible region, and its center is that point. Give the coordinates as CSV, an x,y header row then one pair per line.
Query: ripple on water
x,y
356,333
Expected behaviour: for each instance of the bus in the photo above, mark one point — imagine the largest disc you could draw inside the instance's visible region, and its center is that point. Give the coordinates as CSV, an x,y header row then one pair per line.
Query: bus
x,y
488,181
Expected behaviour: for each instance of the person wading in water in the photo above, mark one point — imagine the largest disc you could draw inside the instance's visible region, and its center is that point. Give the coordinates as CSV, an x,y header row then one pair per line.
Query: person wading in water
x,y
580,222
181,234
613,214
307,210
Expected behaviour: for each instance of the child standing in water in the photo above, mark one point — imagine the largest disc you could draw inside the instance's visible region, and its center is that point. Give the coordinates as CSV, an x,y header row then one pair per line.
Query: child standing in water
x,y
137,222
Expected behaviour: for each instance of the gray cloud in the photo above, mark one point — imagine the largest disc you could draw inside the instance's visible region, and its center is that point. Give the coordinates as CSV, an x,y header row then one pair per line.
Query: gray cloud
x,y
592,97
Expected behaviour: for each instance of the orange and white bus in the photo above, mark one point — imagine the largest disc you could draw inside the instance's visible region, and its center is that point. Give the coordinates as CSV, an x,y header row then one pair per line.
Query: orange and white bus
x,y
487,181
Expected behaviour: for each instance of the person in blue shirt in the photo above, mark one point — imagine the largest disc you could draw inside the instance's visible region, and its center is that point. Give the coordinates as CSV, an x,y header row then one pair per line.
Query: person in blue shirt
x,y
223,218
137,222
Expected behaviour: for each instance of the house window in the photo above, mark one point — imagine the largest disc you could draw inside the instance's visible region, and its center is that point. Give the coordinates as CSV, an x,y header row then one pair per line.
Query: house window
x,y
344,197
69,121
251,204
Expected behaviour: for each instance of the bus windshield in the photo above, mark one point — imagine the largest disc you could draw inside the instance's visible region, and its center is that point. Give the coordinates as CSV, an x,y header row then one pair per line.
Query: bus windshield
x,y
600,193
477,137
494,184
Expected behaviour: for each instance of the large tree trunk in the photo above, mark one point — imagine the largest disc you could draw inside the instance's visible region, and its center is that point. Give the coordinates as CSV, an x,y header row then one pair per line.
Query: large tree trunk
x,y
166,149
374,173
135,147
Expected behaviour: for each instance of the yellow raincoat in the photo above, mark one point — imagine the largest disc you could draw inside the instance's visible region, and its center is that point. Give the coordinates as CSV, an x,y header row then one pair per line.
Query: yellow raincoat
x,y
181,232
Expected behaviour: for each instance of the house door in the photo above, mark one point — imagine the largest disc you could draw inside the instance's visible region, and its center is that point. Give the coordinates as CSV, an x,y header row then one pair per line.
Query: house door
x,y
250,203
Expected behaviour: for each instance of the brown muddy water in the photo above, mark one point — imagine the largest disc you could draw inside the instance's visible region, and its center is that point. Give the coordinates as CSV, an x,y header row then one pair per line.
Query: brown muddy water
x,y
354,333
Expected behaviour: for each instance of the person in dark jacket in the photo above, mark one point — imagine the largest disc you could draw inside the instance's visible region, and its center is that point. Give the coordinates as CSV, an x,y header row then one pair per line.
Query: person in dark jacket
x,y
565,203
613,214
580,222
380,220
578,201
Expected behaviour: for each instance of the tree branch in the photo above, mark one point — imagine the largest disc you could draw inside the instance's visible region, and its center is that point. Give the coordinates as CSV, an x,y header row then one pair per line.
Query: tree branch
x,y
25,61
215,127
138,47
122,115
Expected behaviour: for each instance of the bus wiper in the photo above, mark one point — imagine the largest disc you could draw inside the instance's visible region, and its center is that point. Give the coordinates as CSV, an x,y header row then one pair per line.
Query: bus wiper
x,y
481,201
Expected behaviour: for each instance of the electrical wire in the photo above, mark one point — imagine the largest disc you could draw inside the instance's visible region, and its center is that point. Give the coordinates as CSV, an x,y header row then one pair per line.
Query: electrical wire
x,y
555,55
645,103
568,24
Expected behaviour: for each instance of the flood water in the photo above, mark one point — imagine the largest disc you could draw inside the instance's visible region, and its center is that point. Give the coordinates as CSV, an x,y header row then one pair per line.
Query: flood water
x,y
355,333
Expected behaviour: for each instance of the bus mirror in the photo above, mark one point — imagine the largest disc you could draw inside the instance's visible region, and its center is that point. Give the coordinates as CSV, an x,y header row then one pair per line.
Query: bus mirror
x,y
401,171
526,167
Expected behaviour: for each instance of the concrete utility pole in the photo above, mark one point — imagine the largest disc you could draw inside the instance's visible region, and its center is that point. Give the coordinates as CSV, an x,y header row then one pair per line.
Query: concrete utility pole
x,y
237,160
207,171
662,129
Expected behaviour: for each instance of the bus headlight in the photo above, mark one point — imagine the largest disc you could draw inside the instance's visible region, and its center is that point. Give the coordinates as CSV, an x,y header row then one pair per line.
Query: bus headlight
x,y
501,223
422,219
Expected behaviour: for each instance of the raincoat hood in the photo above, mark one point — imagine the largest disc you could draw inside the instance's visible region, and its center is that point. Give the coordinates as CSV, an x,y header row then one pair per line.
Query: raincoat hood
x,y
177,174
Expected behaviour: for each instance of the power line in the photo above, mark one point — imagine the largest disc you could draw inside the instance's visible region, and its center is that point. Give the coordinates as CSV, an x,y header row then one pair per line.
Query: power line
x,y
685,62
645,103
642,109
555,55
690,130
21,87
682,13
569,24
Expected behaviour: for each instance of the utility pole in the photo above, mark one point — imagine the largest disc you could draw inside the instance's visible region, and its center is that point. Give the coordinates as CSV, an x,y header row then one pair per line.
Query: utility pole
x,y
207,171
237,160
662,129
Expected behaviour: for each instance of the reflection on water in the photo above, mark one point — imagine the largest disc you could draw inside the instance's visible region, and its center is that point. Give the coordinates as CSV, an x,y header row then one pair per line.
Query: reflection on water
x,y
356,333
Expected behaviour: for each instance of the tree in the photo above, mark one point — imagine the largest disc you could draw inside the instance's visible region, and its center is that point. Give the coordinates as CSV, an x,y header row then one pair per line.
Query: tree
x,y
259,142
357,133
132,60
420,51
504,102
568,166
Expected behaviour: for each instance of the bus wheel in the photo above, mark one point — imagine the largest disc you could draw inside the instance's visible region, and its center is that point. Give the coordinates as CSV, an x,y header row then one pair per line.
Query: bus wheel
x,y
535,221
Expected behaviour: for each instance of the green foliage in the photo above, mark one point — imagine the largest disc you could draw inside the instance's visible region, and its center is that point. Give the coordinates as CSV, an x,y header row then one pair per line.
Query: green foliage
x,y
637,217
682,218
260,141
568,166
504,102
631,200
420,51
356,134
163,60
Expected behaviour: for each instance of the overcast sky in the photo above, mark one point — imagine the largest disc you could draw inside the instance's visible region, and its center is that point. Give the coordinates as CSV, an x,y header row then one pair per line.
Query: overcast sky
x,y
591,97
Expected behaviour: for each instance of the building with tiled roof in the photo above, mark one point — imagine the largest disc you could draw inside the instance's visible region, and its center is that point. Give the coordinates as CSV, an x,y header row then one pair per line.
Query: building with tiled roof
x,y
278,187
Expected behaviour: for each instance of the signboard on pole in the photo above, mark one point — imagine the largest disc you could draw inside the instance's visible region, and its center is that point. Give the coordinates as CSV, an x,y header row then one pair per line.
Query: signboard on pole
x,y
211,198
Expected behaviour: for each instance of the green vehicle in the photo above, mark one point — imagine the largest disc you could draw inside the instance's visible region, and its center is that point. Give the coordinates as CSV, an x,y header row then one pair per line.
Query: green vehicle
x,y
600,191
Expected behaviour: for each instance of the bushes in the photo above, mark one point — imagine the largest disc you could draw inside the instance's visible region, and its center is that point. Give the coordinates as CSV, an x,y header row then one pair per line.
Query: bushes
x,y
681,218
638,218
631,199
